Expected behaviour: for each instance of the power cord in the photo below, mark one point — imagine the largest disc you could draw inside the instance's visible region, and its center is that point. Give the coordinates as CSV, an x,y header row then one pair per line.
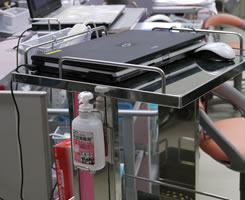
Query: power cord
x,y
52,192
18,119
30,67
17,50
19,142
18,44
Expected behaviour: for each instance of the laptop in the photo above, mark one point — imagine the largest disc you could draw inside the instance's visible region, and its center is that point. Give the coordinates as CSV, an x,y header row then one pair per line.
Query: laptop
x,y
151,48
70,15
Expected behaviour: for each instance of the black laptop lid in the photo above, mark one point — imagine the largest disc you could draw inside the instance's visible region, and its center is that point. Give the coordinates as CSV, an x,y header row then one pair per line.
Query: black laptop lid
x,y
41,8
133,47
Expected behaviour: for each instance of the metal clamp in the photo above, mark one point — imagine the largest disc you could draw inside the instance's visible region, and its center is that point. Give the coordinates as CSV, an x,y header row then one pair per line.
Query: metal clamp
x,y
114,64
206,32
90,22
47,19
103,28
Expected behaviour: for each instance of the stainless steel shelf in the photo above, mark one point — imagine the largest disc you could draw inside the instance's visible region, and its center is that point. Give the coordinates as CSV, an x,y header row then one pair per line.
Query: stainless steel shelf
x,y
181,89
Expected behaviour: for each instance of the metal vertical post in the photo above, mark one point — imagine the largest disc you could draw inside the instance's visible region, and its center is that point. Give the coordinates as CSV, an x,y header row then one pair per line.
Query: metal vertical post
x,y
107,182
114,177
129,157
238,82
70,99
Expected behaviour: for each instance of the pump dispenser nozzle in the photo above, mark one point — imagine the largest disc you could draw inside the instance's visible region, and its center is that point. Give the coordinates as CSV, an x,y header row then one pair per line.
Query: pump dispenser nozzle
x,y
84,98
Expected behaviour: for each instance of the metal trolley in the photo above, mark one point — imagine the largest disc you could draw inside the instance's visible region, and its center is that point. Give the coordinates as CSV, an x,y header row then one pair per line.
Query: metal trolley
x,y
177,155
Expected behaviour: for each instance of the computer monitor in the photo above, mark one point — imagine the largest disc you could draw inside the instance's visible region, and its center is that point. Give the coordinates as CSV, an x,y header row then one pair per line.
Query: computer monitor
x,y
39,8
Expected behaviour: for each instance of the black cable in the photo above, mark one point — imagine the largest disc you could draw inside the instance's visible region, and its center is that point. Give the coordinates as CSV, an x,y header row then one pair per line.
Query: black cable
x,y
18,116
18,120
2,198
52,192
18,43
19,142
109,181
17,51
23,65
17,70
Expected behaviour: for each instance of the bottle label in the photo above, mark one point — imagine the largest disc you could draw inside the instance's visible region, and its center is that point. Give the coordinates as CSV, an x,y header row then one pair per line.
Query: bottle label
x,y
83,144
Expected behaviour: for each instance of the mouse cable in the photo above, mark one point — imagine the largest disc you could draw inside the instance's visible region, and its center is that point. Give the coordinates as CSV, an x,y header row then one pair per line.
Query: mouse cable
x,y
1,198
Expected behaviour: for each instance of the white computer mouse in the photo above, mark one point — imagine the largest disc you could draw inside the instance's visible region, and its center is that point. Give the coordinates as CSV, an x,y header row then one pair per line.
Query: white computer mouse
x,y
78,28
158,18
216,51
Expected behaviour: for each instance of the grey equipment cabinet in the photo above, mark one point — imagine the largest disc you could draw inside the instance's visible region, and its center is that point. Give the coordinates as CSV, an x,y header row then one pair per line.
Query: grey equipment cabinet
x,y
176,92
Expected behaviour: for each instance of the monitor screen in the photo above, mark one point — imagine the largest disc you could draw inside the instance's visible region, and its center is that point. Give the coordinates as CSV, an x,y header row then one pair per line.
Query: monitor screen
x,y
40,4
41,8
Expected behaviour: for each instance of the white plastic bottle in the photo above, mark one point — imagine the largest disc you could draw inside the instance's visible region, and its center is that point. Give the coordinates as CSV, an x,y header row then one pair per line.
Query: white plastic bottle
x,y
87,136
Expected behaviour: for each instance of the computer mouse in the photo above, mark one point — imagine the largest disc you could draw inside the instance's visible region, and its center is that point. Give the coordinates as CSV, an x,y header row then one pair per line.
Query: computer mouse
x,y
216,51
78,28
158,18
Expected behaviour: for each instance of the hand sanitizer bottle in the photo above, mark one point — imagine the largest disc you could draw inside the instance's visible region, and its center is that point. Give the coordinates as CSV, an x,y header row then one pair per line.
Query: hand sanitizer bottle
x,y
87,137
